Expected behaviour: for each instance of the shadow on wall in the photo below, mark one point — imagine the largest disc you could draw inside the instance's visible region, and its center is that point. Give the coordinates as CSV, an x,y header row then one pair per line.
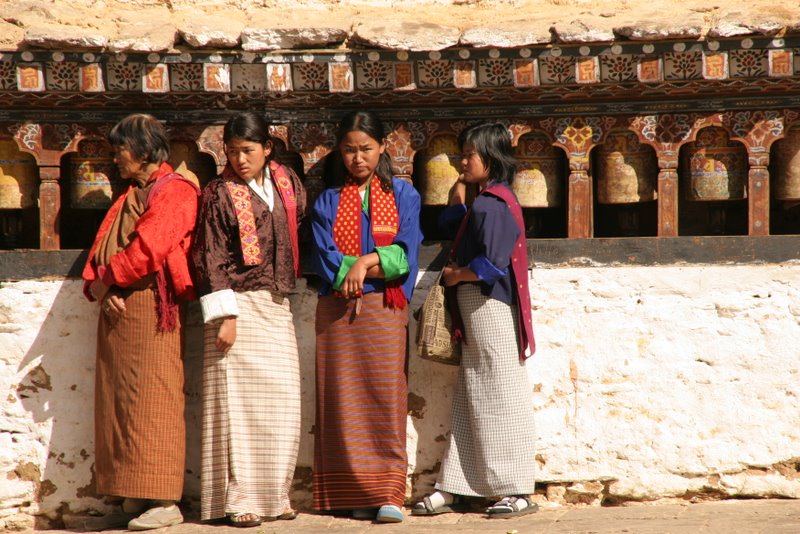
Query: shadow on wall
x,y
56,388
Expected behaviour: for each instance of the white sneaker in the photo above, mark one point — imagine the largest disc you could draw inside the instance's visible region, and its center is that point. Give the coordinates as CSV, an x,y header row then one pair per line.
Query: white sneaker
x,y
157,517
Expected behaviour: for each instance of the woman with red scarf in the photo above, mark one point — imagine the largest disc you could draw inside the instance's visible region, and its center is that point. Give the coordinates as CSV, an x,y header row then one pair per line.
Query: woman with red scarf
x,y
366,243
138,271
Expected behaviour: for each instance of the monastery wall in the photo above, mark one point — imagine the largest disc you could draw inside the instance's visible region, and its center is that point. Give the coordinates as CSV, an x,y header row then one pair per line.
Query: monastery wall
x,y
648,383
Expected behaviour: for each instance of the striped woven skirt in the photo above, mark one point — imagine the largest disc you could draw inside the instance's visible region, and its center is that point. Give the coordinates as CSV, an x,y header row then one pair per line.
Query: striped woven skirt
x,y
360,442
491,446
251,411
140,433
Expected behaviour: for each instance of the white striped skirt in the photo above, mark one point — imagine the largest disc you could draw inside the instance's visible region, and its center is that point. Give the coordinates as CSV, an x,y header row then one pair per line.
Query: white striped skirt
x,y
251,411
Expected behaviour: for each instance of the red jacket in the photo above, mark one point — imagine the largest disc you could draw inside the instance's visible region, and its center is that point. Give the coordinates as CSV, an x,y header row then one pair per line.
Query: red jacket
x,y
162,234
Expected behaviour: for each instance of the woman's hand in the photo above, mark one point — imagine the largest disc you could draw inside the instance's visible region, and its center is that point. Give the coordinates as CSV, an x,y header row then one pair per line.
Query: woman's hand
x,y
98,290
113,306
458,193
353,284
450,274
226,336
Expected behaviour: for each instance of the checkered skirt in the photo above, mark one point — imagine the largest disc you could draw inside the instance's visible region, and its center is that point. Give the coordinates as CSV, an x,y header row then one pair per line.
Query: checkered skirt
x,y
140,433
491,446
251,411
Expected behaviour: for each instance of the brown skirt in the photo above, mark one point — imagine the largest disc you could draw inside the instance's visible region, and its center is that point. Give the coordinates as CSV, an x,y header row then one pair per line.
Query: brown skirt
x,y
360,456
140,431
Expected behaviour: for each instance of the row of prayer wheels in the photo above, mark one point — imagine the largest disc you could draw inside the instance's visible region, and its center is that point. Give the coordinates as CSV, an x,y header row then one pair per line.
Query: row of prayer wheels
x,y
626,170
93,174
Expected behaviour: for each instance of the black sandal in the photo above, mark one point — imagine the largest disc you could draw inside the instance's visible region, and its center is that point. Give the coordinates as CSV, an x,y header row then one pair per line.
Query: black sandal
x,y
509,507
425,507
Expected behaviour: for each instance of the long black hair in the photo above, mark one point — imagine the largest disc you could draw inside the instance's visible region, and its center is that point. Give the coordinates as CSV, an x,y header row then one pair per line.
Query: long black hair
x,y
247,126
492,142
369,123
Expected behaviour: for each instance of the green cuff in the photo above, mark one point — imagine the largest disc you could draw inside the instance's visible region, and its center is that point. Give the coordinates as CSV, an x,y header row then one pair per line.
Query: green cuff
x,y
393,261
344,268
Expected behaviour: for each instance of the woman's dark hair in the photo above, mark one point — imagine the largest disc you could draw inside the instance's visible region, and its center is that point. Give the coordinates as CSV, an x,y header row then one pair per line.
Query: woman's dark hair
x,y
247,126
492,142
369,123
143,135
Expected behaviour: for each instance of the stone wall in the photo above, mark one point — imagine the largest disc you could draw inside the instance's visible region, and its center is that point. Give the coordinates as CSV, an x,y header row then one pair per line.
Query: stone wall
x,y
648,382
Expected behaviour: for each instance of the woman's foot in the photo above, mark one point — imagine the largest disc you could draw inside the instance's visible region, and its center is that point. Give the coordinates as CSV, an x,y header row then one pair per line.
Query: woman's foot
x,y
512,506
244,519
438,502
389,513
157,517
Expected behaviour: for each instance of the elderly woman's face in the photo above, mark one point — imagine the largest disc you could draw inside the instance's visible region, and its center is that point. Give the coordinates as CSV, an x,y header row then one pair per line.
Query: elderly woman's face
x,y
247,158
129,167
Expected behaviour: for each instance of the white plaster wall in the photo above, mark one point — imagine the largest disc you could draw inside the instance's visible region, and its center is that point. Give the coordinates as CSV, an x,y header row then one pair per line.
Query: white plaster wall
x,y
648,382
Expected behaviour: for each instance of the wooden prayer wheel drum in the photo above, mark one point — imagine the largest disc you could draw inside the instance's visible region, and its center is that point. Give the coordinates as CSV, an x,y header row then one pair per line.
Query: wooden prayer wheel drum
x,y
18,177
93,170
440,166
187,160
539,182
716,167
627,170
786,183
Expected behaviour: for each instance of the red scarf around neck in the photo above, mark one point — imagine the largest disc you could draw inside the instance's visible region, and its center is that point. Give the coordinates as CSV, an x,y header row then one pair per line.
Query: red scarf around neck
x,y
385,224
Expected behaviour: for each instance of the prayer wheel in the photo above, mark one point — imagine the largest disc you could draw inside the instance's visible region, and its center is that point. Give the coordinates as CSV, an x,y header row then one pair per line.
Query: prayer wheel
x,y
18,177
716,167
539,182
786,181
191,163
92,170
439,167
627,170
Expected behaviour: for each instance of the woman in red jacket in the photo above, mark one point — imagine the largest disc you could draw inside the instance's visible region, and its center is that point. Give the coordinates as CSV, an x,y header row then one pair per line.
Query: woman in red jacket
x,y
137,271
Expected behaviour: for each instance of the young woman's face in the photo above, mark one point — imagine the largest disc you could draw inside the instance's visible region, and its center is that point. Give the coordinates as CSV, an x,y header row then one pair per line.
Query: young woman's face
x,y
129,167
247,158
473,169
361,154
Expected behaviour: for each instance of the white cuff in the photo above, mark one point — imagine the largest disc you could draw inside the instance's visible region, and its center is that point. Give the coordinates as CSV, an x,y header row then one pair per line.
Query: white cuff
x,y
219,304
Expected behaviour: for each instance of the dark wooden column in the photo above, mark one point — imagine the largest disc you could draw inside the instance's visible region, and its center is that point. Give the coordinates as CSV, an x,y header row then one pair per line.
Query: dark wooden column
x,y
49,208
758,199
757,130
577,136
48,143
667,196
579,194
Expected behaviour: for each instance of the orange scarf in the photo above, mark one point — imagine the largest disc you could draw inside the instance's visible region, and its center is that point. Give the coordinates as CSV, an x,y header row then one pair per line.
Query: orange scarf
x,y
242,204
385,225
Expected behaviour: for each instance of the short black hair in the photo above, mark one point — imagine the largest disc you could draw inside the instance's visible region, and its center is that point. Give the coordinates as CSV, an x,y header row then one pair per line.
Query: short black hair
x,y
492,142
143,135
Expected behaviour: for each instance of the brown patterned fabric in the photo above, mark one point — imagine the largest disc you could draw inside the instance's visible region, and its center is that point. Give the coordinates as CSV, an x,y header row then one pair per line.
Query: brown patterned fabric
x,y
139,402
217,251
360,440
